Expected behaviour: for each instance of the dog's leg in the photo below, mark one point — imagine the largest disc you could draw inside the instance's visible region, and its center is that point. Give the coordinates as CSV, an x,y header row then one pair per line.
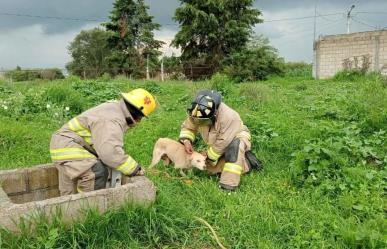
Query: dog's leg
x,y
166,160
182,173
156,157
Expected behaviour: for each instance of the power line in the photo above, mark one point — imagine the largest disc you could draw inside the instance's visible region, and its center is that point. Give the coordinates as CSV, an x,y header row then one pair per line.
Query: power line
x,y
371,12
302,17
364,23
168,24
327,19
304,32
53,17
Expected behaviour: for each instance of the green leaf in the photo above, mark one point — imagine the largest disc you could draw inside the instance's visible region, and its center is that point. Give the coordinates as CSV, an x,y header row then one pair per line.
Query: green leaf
x,y
358,207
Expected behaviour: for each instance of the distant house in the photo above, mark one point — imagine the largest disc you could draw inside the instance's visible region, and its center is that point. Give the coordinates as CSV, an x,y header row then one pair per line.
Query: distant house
x,y
363,51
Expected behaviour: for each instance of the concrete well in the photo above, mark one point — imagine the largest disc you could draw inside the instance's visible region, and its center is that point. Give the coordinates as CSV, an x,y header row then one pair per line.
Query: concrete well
x,y
26,193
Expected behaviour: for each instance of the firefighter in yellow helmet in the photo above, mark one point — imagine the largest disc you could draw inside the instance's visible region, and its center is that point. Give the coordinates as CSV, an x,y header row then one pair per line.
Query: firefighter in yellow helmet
x,y
88,144
228,139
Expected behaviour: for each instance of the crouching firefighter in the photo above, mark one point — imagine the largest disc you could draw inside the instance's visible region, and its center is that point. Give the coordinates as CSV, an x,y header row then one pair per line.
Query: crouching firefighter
x,y
222,129
88,144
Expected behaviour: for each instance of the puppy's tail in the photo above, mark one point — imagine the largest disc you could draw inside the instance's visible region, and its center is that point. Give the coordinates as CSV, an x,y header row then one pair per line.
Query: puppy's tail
x,y
155,158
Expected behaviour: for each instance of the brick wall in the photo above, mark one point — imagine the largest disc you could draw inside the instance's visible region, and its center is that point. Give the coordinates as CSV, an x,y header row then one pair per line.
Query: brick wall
x,y
364,50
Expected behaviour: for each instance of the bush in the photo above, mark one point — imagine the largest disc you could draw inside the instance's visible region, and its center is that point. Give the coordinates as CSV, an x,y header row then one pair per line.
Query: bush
x,y
369,104
25,75
221,83
97,92
22,75
257,93
349,75
66,97
51,74
340,149
257,61
298,69
152,87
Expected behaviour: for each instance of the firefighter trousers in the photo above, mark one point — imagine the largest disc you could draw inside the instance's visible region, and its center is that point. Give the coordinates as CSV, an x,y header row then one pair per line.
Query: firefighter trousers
x,y
232,163
94,178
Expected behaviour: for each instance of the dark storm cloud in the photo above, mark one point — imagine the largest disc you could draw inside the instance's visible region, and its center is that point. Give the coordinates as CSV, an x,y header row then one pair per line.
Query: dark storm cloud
x,y
162,10
40,42
339,5
84,9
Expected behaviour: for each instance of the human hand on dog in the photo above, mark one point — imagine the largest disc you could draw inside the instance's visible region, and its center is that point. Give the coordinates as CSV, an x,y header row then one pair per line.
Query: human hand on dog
x,y
188,146
204,153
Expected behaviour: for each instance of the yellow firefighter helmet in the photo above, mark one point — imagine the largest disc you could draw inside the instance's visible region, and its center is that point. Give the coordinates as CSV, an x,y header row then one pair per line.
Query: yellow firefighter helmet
x,y
142,100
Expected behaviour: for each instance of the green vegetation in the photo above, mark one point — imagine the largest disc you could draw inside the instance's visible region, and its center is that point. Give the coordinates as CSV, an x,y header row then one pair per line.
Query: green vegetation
x,y
257,61
214,36
123,48
211,30
34,74
89,51
299,69
323,144
131,38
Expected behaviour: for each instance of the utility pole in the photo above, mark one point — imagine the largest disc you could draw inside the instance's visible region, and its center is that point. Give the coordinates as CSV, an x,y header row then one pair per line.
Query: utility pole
x,y
147,67
314,68
349,18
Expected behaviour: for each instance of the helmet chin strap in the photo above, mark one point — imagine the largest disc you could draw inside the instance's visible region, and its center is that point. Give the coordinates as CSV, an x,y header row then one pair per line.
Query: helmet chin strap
x,y
136,114
213,119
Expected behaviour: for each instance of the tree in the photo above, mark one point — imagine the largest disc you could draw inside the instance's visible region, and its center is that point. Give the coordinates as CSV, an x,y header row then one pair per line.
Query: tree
x,y
210,30
132,38
89,51
173,67
256,61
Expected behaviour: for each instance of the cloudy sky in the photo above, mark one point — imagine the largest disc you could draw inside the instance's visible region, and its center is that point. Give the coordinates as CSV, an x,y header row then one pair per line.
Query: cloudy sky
x,y
29,38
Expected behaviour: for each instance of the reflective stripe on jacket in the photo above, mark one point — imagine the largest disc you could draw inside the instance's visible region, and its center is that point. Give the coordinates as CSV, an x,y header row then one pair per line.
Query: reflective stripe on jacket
x,y
218,136
64,154
99,132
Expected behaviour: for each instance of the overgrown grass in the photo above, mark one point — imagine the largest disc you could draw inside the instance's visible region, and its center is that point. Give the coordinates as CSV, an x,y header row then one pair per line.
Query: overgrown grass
x,y
322,143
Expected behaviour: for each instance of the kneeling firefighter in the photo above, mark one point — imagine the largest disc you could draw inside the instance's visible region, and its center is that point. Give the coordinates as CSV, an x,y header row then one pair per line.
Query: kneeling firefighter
x,y
89,143
222,129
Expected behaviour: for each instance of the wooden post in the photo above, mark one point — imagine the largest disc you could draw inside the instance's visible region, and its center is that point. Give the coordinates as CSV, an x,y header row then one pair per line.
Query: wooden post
x,y
162,69
147,67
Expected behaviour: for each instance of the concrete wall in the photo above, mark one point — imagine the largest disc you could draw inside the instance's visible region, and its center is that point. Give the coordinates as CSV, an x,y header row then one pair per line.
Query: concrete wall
x,y
364,50
26,194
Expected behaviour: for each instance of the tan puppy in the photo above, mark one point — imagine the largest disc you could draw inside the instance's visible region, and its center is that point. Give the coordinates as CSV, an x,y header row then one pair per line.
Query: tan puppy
x,y
170,150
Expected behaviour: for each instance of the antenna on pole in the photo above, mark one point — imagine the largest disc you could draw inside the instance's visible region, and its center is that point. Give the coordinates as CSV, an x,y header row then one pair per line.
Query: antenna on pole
x,y
315,22
349,18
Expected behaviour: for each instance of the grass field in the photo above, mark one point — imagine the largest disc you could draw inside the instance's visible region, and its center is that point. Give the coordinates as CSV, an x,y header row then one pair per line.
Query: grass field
x,y
323,144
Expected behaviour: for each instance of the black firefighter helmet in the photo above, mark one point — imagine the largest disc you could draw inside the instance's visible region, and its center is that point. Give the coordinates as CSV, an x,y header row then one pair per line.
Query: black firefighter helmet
x,y
204,107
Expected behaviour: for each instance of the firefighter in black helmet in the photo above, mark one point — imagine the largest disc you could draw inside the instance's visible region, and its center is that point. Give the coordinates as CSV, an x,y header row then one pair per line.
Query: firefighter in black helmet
x,y
228,139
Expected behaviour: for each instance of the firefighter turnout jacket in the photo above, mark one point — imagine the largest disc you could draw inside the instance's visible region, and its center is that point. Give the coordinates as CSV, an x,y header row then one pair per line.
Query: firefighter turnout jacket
x,y
227,137
95,135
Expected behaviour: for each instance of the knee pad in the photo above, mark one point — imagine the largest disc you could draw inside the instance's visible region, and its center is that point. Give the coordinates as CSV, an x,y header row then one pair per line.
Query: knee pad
x,y
232,151
101,173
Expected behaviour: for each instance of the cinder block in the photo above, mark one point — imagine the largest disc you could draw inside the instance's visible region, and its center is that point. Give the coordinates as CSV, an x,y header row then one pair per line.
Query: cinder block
x,y
13,181
38,195
42,177
4,200
74,208
137,191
